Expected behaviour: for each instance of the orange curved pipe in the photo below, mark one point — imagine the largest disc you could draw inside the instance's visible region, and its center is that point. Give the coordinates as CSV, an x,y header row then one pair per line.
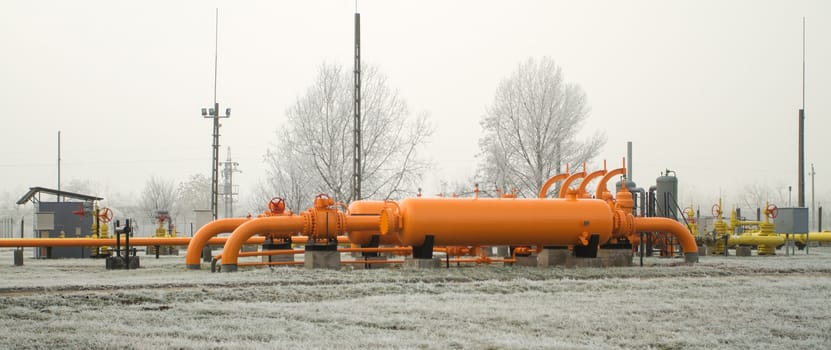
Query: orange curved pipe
x,y
567,182
206,232
582,189
549,183
601,186
655,224
109,242
271,224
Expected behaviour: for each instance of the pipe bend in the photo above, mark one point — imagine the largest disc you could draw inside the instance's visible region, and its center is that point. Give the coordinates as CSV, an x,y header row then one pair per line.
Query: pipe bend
x,y
554,179
657,224
271,224
200,239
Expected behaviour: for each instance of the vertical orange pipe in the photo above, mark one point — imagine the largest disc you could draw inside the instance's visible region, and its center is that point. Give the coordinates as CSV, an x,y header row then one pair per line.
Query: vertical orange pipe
x,y
201,237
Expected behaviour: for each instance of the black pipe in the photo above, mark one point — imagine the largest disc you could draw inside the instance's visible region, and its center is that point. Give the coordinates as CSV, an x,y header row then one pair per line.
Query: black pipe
x,y
819,222
127,231
117,239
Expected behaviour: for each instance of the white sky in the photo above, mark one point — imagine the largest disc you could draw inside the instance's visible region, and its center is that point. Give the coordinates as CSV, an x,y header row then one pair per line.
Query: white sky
x,y
709,89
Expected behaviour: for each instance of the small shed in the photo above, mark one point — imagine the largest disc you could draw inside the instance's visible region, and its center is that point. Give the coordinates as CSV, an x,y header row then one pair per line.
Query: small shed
x,y
67,215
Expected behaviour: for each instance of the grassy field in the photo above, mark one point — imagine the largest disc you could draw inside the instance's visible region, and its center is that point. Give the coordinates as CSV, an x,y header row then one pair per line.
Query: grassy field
x,y
753,302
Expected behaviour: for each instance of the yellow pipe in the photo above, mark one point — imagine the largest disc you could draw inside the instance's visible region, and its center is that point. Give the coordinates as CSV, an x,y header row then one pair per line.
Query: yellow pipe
x,y
206,232
773,241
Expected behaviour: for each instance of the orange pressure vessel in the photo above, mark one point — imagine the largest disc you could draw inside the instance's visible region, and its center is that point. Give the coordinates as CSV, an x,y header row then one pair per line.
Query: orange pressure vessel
x,y
369,208
465,221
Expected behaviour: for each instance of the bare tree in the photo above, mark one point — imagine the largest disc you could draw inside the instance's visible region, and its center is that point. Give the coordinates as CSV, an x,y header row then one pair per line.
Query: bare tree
x,y
755,195
314,151
195,193
530,131
158,194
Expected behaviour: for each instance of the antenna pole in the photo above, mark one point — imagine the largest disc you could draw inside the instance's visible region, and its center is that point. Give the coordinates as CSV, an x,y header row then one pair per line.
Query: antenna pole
x,y
356,128
801,185
216,52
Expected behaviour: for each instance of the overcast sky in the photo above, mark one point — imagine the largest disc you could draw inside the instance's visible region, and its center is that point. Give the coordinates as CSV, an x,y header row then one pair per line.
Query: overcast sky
x,y
709,89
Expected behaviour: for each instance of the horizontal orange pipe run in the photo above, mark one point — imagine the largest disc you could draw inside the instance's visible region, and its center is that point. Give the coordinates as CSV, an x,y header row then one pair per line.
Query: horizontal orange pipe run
x,y
272,224
655,224
408,250
101,242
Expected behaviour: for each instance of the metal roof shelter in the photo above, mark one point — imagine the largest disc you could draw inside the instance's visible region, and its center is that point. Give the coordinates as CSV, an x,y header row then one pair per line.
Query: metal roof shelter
x,y
34,195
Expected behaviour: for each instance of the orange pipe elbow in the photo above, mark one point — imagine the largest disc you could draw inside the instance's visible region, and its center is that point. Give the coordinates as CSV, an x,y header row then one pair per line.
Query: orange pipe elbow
x,y
549,183
601,186
567,182
582,190
206,232
271,224
655,224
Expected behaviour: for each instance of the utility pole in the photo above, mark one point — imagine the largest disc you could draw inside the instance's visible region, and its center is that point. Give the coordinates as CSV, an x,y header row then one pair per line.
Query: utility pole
x,y
213,113
801,187
813,199
59,164
229,167
356,127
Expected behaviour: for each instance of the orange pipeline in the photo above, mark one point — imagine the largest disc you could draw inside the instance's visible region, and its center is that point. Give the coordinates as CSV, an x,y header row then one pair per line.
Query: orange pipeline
x,y
206,232
102,242
549,183
320,222
655,224
567,182
601,186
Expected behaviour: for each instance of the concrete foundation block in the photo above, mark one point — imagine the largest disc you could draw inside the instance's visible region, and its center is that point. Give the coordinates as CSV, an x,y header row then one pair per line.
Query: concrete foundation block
x,y
530,260
321,259
615,257
553,257
742,251
120,263
411,263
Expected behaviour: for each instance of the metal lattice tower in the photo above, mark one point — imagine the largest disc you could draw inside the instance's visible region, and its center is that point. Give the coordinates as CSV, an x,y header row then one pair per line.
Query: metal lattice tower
x,y
229,167
356,150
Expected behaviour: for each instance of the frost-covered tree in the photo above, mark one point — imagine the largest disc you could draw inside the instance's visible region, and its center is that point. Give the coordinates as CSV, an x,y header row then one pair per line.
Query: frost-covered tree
x,y
158,194
313,151
195,193
531,129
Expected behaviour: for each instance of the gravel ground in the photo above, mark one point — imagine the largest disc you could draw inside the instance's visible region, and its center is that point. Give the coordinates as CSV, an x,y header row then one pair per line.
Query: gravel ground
x,y
732,302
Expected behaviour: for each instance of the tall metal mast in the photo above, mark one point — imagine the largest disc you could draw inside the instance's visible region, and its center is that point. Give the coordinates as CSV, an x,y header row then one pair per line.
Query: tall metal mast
x,y
801,186
356,151
213,113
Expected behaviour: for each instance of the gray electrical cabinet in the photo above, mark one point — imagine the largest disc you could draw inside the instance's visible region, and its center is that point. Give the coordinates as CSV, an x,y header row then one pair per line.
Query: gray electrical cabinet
x,y
792,220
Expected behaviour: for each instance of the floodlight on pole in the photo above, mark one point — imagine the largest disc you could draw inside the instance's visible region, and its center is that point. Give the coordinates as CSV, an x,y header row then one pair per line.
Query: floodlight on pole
x,y
213,113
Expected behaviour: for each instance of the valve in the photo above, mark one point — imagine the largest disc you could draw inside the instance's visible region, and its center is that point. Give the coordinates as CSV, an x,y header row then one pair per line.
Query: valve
x,y
772,211
277,205
105,215
717,211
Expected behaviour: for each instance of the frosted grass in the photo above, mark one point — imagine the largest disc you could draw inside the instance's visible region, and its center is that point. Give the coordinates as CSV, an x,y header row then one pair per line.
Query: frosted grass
x,y
722,302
